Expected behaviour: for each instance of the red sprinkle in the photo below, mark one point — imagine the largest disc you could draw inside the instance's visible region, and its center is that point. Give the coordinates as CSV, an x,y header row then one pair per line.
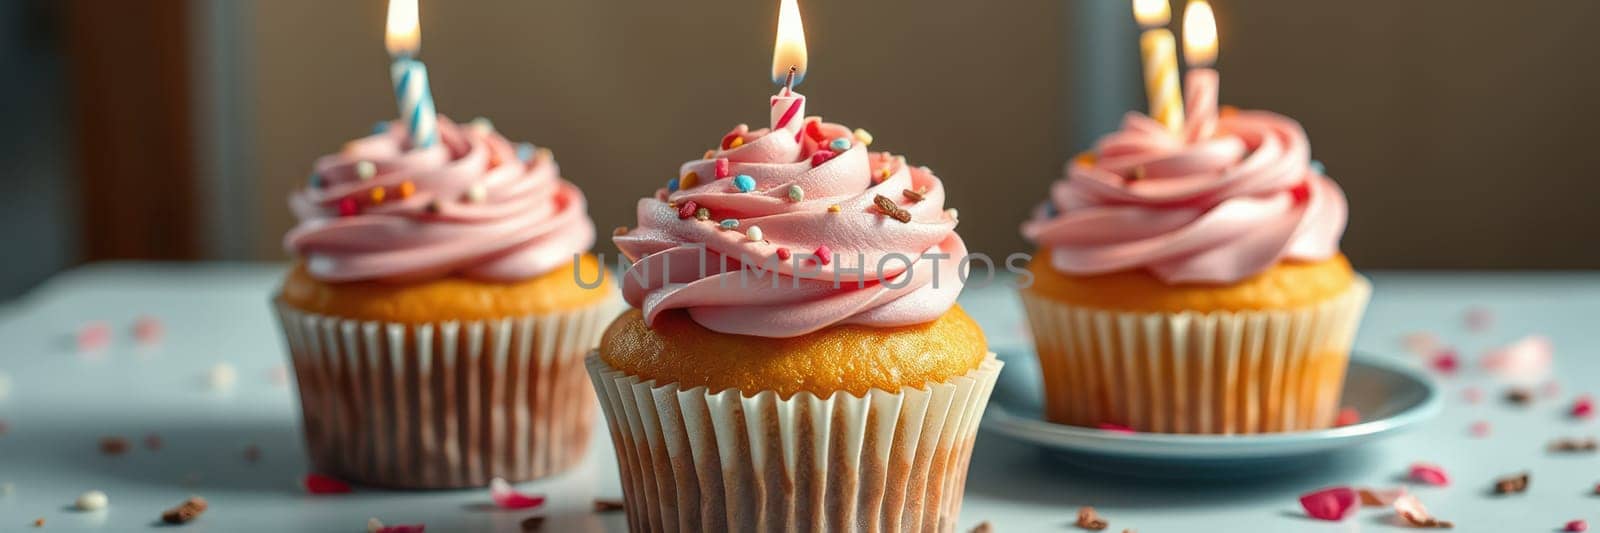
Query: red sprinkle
x,y
820,156
1302,193
1332,504
1583,407
347,207
1577,526
722,168
320,484
403,528
686,209
813,129
1114,428
823,255
1445,361
783,254
1348,416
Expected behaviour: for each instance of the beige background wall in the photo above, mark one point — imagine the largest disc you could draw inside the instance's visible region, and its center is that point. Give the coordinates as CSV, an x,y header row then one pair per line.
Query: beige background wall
x,y
1462,131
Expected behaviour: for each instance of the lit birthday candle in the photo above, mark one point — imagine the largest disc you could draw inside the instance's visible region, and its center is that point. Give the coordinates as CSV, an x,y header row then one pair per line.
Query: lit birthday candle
x,y
789,68
1202,81
403,39
1160,52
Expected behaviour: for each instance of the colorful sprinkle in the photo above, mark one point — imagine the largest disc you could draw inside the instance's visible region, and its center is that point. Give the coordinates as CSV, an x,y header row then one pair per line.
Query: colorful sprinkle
x,y
744,183
347,207
689,180
796,193
833,208
735,143
709,154
93,336
1576,526
407,189
380,127
1318,169
1348,416
315,180
783,255
320,484
687,209
1445,361
477,193
378,195
754,234
481,125
823,255
863,137
508,498
147,330
722,168
819,157
1115,428
839,144
1583,407
672,185
952,213
1084,159
1479,429
93,500
884,173
525,151
702,214
366,170
729,223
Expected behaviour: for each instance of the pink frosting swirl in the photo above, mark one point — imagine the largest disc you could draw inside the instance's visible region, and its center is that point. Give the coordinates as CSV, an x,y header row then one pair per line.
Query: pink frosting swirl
x,y
883,278
472,205
1218,210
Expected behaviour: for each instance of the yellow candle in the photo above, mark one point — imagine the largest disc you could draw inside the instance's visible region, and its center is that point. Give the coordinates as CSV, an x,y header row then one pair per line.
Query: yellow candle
x,y
1160,53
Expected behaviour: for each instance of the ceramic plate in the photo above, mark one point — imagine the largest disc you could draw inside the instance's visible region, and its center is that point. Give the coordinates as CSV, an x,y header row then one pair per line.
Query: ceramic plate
x,y
1390,396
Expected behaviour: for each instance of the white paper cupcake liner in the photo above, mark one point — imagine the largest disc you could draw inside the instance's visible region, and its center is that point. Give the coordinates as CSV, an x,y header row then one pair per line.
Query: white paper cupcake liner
x,y
695,461
448,404
1219,372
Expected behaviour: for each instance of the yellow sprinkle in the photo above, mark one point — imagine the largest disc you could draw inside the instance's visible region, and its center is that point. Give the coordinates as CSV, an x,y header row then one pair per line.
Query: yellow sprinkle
x,y
735,143
833,208
689,181
407,189
863,136
377,195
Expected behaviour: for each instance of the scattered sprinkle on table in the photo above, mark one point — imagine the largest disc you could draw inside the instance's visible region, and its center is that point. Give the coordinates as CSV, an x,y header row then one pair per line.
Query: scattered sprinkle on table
x,y
1519,396
1516,484
1332,504
38,522
532,524
1577,526
93,500
1429,474
1090,520
321,484
606,505
222,377
185,512
147,330
113,445
93,336
983,527
1583,407
1574,445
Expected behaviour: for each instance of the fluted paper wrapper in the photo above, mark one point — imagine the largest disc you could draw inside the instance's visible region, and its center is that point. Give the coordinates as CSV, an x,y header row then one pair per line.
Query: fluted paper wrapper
x,y
695,461
448,404
1219,373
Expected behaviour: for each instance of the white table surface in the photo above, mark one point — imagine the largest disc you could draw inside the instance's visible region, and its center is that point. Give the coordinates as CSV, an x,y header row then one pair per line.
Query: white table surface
x,y
62,402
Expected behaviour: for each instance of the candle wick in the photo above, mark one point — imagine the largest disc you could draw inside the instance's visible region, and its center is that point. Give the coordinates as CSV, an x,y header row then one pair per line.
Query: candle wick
x,y
788,81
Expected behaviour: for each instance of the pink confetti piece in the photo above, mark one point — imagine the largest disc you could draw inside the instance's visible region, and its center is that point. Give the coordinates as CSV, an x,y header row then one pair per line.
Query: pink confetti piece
x,y
1429,474
1479,429
1445,361
1114,428
1472,394
1332,504
93,336
1380,497
1577,526
1479,319
402,528
508,498
147,330
1583,407
722,169
1420,343
1526,361
1348,416
320,484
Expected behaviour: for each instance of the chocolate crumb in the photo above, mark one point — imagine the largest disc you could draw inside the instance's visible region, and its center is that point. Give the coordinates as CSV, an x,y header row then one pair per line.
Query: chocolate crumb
x,y
189,510
113,445
1516,484
1088,519
252,453
606,505
1575,445
890,209
1519,396
983,527
914,196
532,524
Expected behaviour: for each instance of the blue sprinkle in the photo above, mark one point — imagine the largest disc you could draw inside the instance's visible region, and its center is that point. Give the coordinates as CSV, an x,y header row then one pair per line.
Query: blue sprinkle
x,y
315,180
672,185
380,127
840,144
1316,166
1050,209
730,224
525,152
744,183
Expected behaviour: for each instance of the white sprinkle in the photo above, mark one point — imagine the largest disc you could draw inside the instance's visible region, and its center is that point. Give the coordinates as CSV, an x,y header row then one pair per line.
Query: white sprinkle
x,y
953,213
754,233
374,525
222,376
93,500
366,170
481,125
5,385
477,193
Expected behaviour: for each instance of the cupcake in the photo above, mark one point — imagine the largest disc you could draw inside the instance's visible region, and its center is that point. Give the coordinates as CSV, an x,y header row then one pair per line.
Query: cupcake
x,y
1194,286
794,359
433,317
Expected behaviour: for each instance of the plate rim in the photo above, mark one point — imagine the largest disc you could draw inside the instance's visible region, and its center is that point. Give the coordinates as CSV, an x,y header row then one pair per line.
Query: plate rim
x,y
1048,434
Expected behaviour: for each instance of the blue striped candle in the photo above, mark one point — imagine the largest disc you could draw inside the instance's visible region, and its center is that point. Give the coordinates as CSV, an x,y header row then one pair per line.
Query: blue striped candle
x,y
416,101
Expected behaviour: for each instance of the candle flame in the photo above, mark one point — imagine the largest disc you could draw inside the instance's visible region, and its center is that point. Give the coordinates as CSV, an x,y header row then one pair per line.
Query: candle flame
x,y
1152,13
1199,34
790,49
404,35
